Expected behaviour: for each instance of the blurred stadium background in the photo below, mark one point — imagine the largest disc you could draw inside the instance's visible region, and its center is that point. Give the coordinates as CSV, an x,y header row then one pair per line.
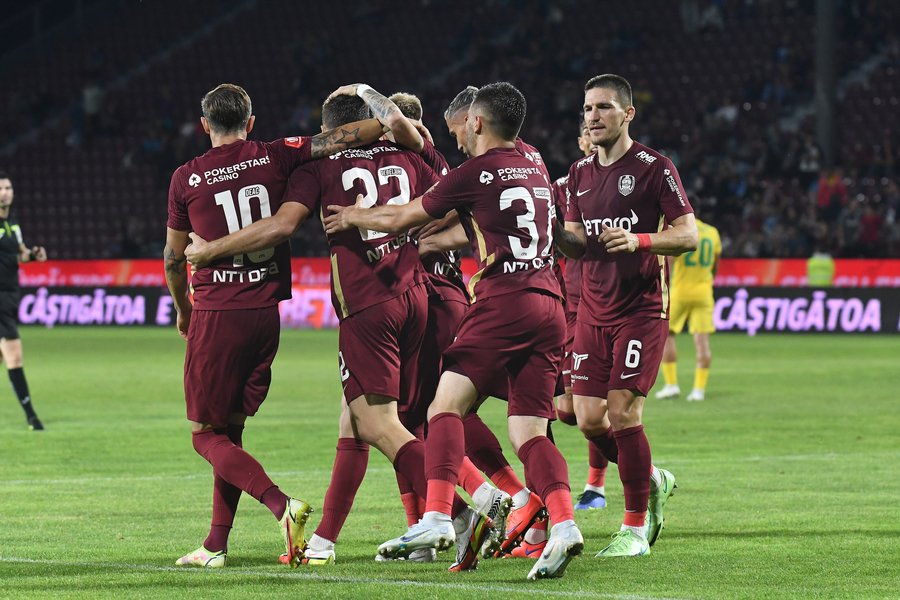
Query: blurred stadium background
x,y
782,116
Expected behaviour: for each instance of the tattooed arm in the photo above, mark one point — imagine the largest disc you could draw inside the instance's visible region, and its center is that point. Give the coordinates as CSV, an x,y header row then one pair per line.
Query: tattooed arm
x,y
571,240
177,278
351,135
405,132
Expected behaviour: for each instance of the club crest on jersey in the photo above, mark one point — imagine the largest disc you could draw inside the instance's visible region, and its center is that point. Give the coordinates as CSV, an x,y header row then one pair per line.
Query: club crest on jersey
x,y
486,178
626,184
194,180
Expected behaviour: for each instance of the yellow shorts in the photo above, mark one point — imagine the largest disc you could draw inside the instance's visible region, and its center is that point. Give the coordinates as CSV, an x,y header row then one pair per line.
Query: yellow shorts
x,y
698,312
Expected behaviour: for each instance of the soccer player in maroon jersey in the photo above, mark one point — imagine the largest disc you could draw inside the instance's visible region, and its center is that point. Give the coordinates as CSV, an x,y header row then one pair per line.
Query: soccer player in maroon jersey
x,y
594,494
379,295
232,328
527,523
627,211
513,334
448,301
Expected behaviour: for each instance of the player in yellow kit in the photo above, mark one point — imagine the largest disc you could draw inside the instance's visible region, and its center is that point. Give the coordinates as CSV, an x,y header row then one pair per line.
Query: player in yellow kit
x,y
692,301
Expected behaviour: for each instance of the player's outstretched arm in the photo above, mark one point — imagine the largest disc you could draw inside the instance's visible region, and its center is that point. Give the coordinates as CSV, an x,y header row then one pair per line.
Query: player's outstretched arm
x,y
453,238
680,237
387,113
390,219
571,240
351,135
260,235
177,278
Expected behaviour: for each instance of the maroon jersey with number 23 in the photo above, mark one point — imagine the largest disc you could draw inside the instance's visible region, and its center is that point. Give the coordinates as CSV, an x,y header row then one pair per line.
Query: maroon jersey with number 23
x,y
223,191
367,267
506,208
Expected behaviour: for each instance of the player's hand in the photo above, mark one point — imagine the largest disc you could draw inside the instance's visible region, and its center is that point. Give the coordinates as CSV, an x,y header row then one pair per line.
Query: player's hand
x,y
341,217
183,322
197,252
433,227
39,254
423,131
426,246
616,239
344,90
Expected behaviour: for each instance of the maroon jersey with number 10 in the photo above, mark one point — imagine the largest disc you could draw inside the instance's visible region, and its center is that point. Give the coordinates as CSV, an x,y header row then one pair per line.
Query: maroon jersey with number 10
x,y
367,267
641,193
223,191
506,208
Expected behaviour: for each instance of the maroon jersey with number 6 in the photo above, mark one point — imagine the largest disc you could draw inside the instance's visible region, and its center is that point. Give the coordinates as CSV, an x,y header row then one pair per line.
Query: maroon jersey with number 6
x,y
367,267
641,192
506,208
223,191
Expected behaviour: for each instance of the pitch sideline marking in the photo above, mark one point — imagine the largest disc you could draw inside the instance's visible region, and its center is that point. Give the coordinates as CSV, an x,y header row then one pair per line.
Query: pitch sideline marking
x,y
336,579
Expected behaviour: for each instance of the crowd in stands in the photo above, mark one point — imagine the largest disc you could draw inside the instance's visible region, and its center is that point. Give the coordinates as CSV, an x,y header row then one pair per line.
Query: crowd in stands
x,y
714,80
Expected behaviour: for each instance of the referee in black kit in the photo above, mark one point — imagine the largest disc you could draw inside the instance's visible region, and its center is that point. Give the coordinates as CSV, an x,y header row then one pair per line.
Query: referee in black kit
x,y
13,252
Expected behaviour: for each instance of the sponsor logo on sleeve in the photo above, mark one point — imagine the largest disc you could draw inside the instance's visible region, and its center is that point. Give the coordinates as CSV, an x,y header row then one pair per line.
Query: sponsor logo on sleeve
x,y
626,184
584,161
486,178
644,157
670,179
294,142
443,171
194,180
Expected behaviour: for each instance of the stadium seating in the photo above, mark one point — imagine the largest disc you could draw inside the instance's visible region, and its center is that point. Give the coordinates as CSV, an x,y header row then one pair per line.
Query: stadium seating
x,y
97,187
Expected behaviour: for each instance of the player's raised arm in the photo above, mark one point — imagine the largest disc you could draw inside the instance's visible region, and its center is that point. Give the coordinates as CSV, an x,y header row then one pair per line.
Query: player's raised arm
x,y
570,240
177,278
387,113
680,237
262,234
351,135
390,219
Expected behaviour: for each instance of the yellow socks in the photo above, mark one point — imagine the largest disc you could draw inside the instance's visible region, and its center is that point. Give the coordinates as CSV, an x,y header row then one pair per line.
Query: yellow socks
x,y
670,373
700,378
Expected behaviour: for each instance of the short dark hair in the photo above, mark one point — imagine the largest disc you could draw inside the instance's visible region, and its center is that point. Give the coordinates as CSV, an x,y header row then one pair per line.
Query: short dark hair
x,y
462,102
227,108
616,83
504,108
341,110
5,175
409,104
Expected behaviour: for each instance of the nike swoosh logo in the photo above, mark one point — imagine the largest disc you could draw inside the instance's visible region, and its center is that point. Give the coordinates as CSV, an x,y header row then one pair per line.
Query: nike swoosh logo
x,y
532,551
624,376
411,538
580,193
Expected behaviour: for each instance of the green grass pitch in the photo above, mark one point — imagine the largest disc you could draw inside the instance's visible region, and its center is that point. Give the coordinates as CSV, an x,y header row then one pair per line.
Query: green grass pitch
x,y
789,478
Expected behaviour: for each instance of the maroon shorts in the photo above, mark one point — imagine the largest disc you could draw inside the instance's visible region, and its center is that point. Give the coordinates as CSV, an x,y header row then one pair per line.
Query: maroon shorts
x,y
571,322
380,346
617,357
444,317
512,342
228,366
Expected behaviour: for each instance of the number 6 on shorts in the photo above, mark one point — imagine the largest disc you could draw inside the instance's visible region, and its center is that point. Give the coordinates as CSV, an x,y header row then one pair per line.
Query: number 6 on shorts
x,y
633,354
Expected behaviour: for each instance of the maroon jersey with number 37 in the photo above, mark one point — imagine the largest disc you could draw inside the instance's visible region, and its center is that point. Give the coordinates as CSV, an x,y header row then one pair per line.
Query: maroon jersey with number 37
x,y
223,191
367,267
506,208
641,193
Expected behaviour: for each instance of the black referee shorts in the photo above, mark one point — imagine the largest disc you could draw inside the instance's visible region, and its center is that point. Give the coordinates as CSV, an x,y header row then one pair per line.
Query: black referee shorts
x,y
9,315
